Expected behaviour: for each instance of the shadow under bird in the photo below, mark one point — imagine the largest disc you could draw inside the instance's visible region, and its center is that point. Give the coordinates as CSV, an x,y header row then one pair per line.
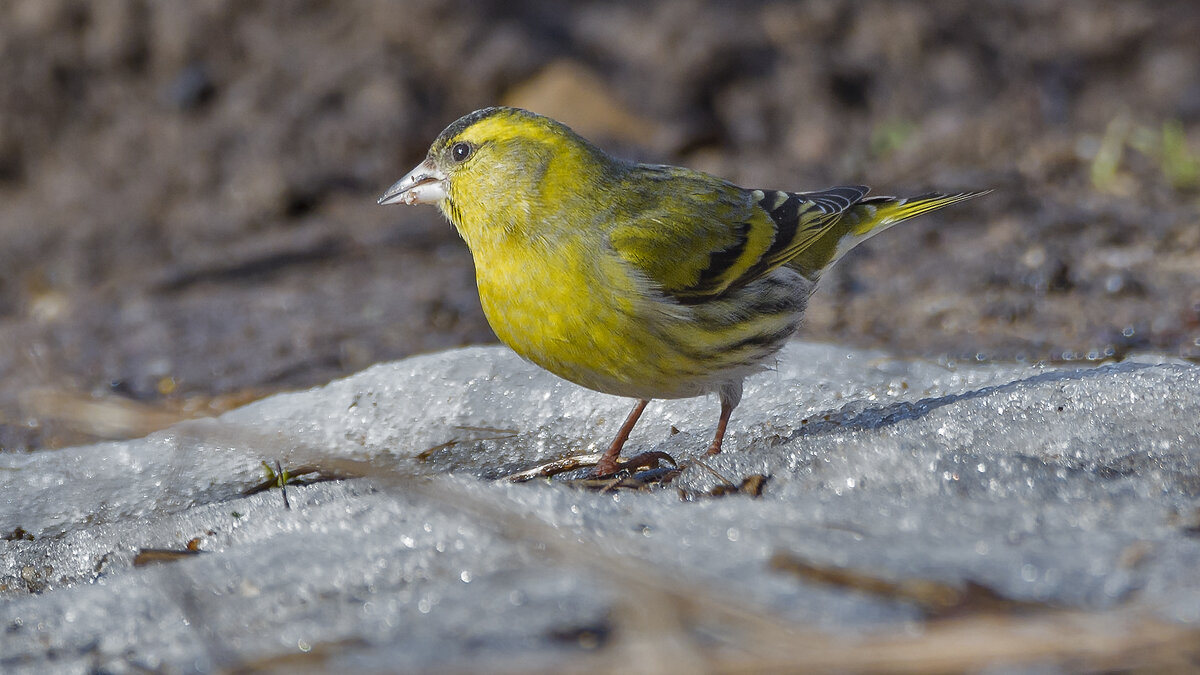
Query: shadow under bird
x,y
639,280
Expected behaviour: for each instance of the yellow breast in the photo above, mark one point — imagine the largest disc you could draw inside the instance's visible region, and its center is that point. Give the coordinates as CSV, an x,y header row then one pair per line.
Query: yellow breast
x,y
582,319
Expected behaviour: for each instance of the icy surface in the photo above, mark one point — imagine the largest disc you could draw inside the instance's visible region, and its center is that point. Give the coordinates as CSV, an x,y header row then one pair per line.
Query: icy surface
x,y
1074,487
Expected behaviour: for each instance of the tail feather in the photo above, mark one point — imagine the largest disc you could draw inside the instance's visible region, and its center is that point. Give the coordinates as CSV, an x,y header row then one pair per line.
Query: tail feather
x,y
818,228
876,214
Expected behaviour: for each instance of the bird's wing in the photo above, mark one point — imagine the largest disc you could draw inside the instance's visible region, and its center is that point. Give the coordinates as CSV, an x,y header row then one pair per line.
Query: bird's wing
x,y
811,224
696,237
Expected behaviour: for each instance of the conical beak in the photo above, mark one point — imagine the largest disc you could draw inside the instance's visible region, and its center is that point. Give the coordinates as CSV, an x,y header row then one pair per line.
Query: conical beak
x,y
423,185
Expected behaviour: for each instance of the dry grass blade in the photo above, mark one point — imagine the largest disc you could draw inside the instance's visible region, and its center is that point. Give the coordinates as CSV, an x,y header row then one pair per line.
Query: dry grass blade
x,y
496,435
151,556
554,467
115,417
110,417
936,599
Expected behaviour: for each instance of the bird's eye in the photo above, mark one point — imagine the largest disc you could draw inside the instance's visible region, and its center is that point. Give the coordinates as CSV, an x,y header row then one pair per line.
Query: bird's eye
x,y
461,151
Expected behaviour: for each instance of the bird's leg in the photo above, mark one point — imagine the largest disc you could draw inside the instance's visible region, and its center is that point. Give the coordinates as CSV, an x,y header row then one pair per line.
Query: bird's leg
x,y
726,411
608,461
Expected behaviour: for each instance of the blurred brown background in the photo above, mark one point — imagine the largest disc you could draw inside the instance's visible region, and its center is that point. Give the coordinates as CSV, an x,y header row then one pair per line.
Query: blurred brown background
x,y
187,189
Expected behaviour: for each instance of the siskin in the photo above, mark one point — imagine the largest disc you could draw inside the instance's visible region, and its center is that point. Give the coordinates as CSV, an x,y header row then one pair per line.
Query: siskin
x,y
638,280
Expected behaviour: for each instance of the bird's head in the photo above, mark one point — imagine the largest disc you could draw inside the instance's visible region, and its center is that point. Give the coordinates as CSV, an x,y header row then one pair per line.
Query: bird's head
x,y
501,169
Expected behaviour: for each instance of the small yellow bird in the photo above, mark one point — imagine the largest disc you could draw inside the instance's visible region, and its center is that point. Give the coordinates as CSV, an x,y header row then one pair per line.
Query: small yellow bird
x,y
638,280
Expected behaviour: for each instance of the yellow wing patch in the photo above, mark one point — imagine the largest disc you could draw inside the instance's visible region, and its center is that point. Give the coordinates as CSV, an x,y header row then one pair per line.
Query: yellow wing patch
x,y
692,238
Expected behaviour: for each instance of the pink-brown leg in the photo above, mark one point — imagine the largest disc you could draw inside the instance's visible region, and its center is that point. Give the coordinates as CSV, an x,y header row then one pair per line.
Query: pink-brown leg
x,y
608,461
726,411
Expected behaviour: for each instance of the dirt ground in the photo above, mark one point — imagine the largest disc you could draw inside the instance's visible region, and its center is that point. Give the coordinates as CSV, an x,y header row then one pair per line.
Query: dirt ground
x,y
187,190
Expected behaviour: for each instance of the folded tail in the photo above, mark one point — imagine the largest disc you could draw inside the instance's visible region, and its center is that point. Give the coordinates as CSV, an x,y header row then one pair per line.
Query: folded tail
x,y
863,220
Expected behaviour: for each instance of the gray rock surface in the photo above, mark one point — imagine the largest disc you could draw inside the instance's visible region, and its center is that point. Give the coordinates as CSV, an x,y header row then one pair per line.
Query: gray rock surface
x,y
1063,494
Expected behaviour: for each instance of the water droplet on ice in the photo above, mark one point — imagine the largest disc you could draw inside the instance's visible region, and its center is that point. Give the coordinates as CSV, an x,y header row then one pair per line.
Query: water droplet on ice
x,y
1029,573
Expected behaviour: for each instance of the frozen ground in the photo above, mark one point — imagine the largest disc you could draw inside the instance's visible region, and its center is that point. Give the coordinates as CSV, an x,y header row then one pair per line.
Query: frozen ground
x,y
1069,498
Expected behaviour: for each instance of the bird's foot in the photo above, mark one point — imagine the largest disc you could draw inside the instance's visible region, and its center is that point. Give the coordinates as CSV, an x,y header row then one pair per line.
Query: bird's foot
x,y
646,460
607,466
